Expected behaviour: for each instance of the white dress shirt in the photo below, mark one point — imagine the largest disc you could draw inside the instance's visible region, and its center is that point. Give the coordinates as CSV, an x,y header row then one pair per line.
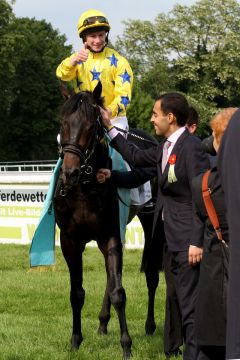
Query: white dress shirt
x,y
173,138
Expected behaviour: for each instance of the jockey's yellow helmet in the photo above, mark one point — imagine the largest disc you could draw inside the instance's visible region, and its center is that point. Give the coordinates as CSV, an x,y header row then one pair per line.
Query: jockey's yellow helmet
x,y
92,20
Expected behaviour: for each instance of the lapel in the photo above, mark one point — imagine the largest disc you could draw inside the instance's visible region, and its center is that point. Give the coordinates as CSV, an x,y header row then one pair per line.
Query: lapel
x,y
175,151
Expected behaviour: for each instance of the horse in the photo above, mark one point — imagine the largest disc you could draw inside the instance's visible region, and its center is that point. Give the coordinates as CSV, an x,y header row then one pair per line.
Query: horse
x,y
86,210
152,257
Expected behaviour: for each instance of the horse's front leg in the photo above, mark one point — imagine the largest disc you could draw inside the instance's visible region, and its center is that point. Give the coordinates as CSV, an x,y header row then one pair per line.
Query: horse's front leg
x,y
113,258
73,257
152,279
104,315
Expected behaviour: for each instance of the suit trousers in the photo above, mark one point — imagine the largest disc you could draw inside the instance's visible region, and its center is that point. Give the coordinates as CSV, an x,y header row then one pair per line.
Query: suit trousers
x,y
212,353
186,281
173,334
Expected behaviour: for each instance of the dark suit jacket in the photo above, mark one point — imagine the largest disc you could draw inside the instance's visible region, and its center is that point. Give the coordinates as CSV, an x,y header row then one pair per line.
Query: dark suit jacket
x,y
210,313
229,170
134,178
200,213
175,198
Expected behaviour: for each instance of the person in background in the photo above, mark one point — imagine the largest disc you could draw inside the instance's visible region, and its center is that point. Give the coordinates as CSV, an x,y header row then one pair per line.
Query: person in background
x,y
211,298
229,170
193,120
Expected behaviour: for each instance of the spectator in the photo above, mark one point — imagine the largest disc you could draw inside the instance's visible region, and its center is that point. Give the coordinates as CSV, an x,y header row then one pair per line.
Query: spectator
x,y
211,299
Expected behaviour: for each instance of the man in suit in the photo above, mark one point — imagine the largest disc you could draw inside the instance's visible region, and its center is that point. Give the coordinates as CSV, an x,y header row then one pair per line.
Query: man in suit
x,y
229,169
174,200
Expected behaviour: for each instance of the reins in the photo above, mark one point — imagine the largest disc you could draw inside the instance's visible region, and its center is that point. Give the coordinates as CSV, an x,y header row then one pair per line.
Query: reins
x,y
129,133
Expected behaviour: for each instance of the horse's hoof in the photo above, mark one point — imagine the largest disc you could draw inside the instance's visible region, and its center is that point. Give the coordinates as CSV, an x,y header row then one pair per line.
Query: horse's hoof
x,y
102,330
76,341
127,354
150,327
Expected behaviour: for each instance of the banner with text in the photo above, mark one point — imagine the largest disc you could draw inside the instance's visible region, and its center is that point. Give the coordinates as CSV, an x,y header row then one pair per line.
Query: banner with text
x,y
20,209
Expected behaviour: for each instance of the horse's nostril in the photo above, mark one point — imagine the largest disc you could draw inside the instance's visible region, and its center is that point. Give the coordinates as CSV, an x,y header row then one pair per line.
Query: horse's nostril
x,y
73,176
70,176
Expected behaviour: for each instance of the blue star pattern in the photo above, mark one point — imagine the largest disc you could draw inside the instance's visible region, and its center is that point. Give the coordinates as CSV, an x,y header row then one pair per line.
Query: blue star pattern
x,y
113,60
119,110
125,77
96,74
125,101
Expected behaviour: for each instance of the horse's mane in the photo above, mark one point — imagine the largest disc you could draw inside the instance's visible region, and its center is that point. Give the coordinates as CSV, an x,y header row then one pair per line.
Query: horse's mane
x,y
83,101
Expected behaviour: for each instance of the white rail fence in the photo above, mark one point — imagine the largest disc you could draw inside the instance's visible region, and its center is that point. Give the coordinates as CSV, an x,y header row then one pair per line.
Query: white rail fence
x,y
23,189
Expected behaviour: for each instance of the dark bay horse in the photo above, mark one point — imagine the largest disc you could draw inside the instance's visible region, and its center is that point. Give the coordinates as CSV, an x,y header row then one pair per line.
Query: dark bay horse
x,y
86,210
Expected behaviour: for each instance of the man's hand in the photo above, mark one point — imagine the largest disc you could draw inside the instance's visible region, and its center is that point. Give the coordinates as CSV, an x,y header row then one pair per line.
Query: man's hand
x,y
109,112
105,118
194,255
81,56
102,175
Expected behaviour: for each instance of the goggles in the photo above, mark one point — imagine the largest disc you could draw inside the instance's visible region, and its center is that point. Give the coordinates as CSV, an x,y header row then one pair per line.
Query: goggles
x,y
94,20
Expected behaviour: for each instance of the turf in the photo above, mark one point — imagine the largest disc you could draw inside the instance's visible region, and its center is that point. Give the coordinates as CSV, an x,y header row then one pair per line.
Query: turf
x,y
35,313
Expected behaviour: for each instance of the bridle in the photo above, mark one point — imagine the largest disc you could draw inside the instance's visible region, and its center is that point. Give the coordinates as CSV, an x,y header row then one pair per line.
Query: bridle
x,y
85,155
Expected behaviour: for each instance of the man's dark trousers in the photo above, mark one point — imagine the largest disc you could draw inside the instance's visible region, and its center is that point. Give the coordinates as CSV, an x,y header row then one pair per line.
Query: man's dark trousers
x,y
173,334
186,279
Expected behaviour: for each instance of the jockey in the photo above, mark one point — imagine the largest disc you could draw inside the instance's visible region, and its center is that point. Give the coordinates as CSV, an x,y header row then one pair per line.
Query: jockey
x,y
93,63
97,62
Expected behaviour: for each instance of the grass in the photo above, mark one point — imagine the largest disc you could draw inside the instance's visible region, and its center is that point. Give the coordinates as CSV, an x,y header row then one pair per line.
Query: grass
x,y
35,313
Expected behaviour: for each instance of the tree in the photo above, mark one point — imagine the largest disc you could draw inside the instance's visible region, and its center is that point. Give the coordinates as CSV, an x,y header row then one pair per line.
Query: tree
x,y
34,96
205,42
192,49
7,68
140,111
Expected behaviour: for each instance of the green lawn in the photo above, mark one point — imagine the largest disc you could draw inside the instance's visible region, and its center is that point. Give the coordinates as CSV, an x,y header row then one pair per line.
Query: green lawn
x,y
35,314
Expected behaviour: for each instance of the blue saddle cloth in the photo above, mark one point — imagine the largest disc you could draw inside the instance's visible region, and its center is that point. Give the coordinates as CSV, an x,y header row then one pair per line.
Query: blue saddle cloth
x,y
119,164
42,251
43,241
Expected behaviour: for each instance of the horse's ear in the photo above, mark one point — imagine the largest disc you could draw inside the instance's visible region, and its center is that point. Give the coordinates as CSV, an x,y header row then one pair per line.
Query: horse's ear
x,y
97,92
64,90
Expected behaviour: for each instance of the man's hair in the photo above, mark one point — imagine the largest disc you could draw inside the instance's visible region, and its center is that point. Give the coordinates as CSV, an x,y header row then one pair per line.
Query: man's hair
x,y
176,104
193,117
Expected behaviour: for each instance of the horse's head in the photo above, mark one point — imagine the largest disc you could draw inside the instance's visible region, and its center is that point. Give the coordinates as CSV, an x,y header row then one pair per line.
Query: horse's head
x,y
80,132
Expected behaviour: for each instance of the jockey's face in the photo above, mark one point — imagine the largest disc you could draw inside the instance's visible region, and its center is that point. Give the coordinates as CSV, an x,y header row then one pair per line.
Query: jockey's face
x,y
160,120
96,41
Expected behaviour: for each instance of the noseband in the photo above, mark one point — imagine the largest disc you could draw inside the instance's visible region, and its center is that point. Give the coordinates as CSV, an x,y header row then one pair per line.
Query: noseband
x,y
84,155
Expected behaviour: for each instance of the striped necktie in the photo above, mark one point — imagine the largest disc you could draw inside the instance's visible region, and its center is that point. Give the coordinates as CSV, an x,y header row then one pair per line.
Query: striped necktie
x,y
166,146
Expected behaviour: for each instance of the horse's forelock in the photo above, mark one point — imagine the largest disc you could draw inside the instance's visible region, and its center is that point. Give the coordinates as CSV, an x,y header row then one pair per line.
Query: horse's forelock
x,y
83,103
71,105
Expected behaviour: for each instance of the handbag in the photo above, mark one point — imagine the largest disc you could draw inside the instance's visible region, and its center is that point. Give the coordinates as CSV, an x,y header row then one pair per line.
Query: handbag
x,y
212,214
